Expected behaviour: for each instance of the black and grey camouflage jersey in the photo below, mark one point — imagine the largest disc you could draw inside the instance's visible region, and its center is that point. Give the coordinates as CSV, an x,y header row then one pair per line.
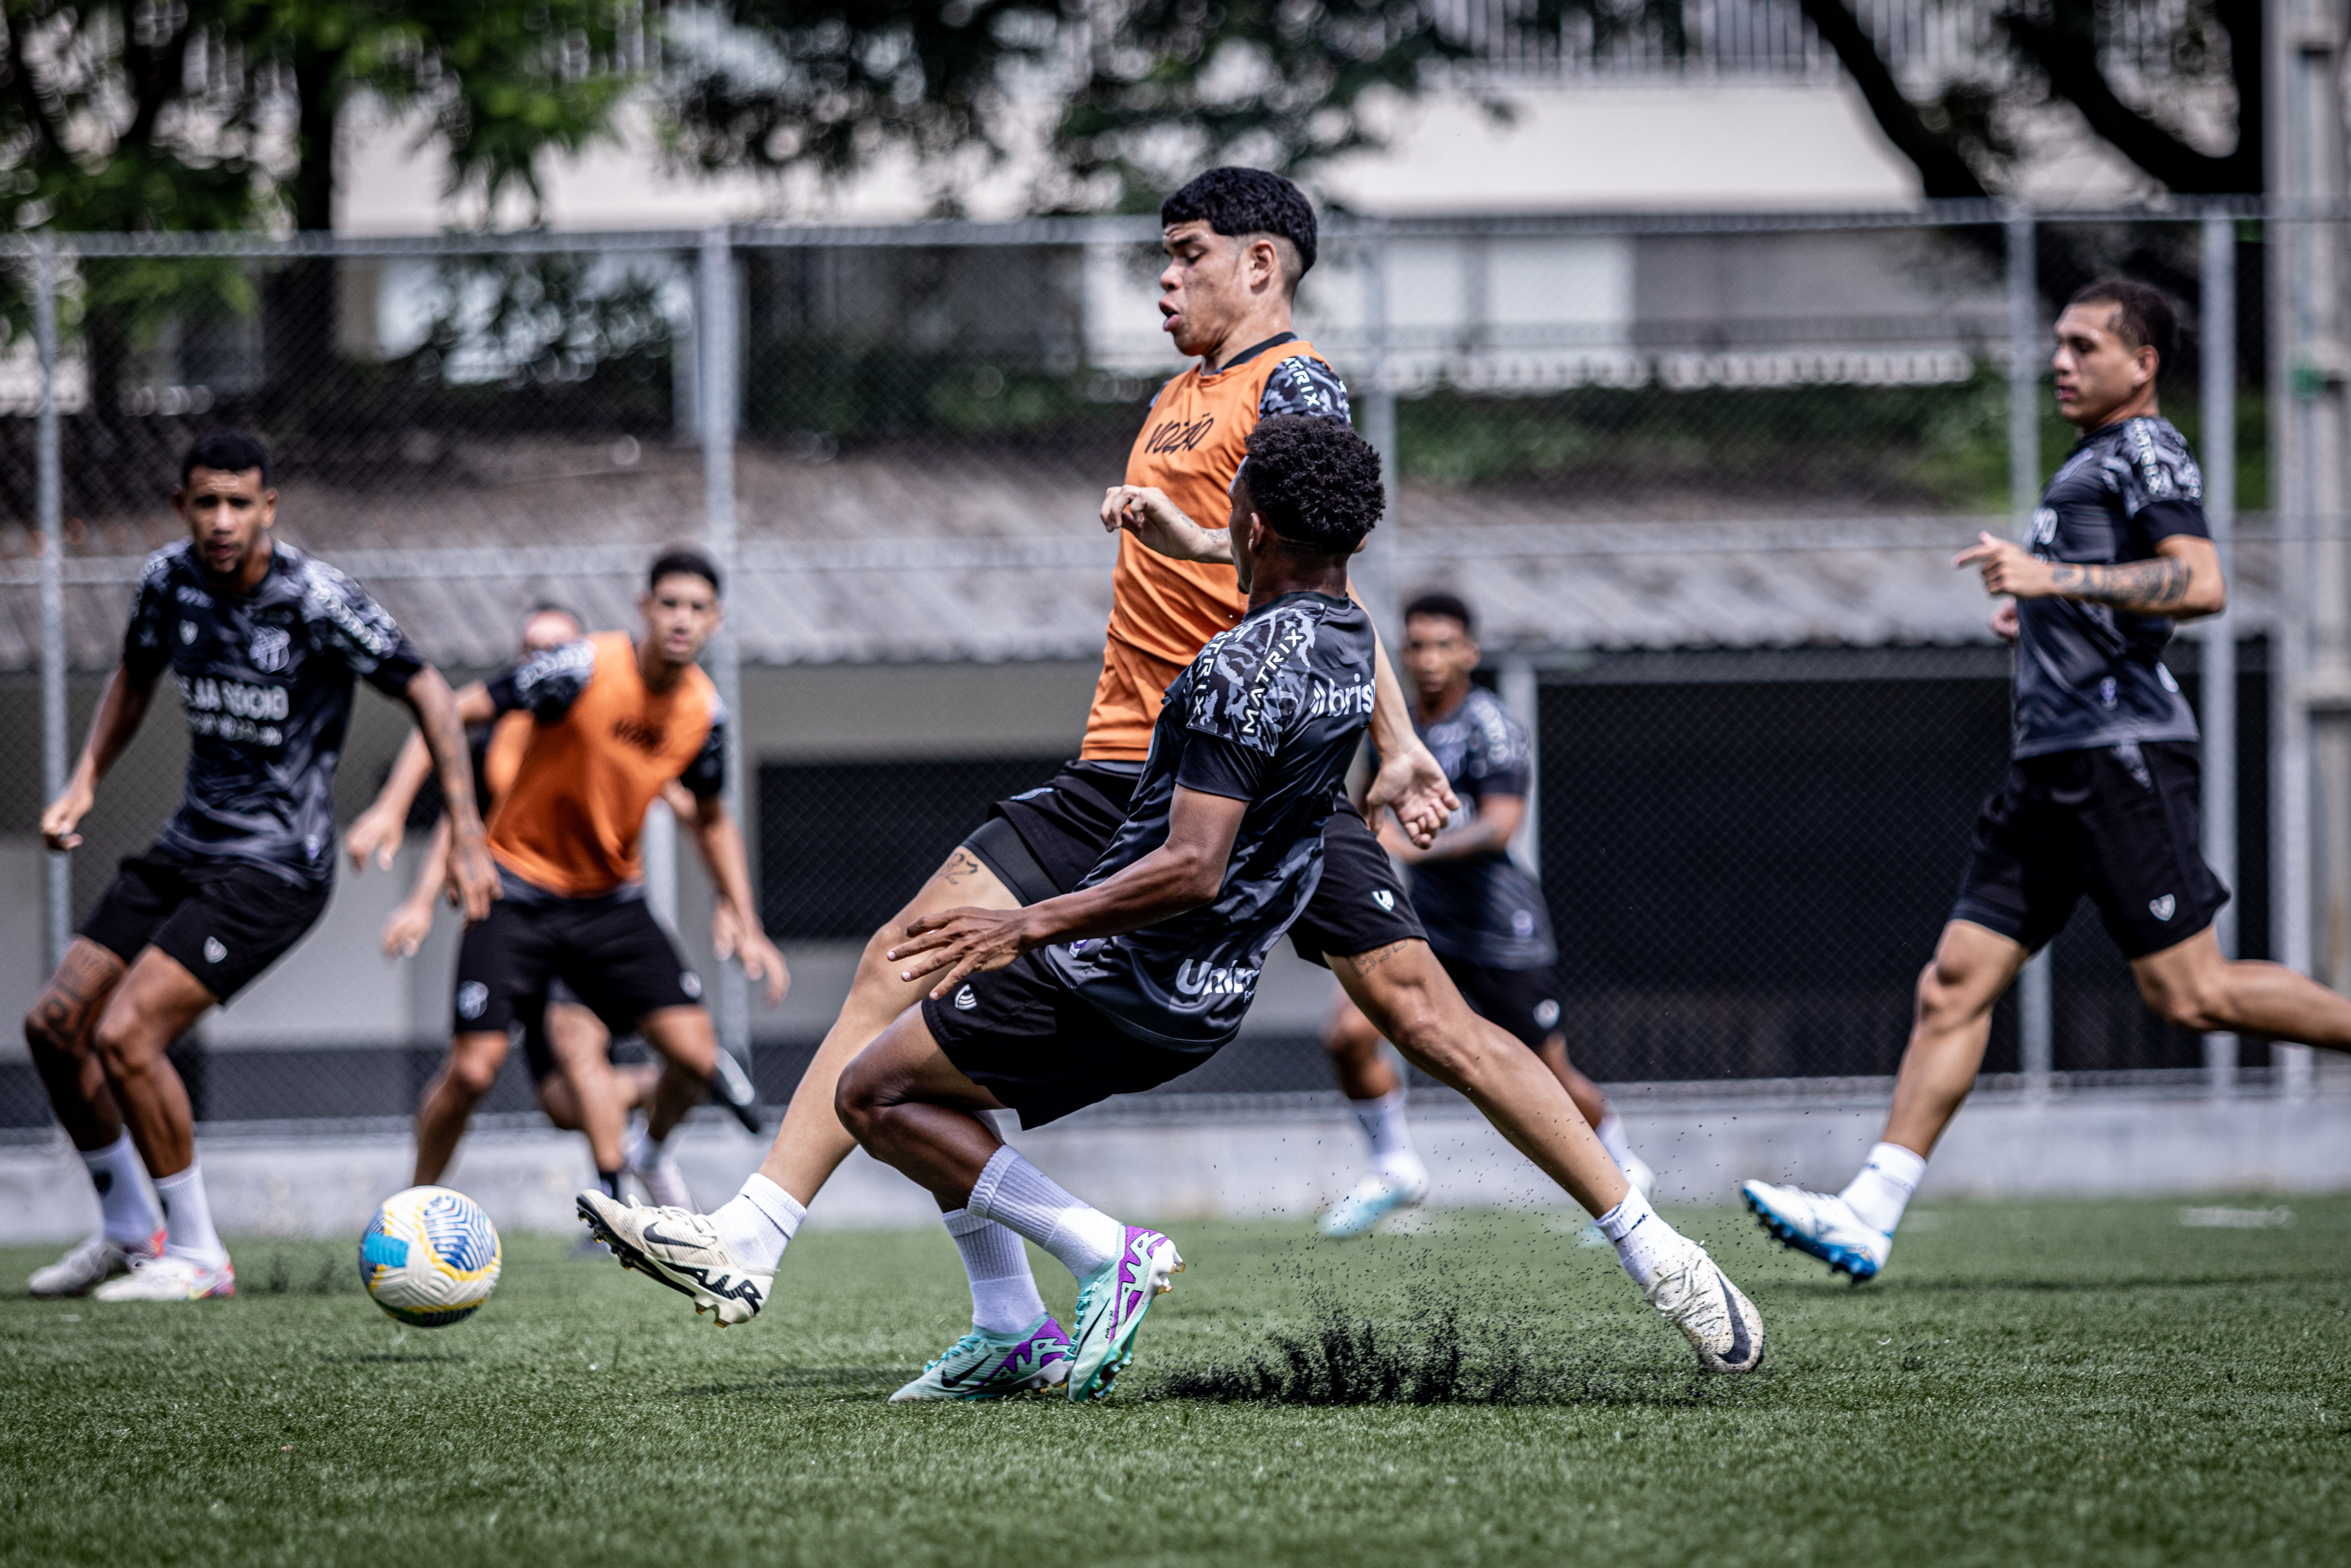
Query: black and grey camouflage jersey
x,y
1270,712
266,680
1302,384
1482,909
2090,675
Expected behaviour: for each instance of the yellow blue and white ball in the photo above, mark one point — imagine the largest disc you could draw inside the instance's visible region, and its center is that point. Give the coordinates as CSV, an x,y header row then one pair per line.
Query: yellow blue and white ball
x,y
430,1257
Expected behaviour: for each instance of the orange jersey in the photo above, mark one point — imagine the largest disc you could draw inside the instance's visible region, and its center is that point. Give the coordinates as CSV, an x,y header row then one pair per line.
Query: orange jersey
x,y
603,747
501,757
1164,611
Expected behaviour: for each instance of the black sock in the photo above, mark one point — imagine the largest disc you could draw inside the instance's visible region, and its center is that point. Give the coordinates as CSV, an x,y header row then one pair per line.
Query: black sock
x,y
610,1182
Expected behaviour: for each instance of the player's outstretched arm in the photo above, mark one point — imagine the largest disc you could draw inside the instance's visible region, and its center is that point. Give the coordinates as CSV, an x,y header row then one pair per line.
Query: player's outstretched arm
x,y
735,929
378,831
1160,526
1183,874
119,711
405,932
473,880
2182,581
1410,781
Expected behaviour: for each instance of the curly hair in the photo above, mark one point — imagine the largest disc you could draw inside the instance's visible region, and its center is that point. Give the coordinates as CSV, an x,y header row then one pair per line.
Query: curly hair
x,y
1233,202
1314,481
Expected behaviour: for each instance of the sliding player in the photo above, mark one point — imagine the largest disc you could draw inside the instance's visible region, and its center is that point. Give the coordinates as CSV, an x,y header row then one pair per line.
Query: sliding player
x,y
265,643
618,719
1485,916
564,1042
2100,798
1148,967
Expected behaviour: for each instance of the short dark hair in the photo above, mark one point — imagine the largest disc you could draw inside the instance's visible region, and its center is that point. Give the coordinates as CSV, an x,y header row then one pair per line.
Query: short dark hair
x,y
1447,605
225,452
548,607
2142,316
1233,202
1314,481
685,559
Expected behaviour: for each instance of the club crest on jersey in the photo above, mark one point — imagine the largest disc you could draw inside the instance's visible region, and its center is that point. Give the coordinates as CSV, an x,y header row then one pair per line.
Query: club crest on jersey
x,y
269,648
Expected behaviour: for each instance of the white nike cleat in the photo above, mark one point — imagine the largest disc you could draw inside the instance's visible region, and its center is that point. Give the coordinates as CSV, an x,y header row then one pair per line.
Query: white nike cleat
x,y
1642,1179
90,1265
173,1277
1822,1224
1722,1325
682,1249
1374,1200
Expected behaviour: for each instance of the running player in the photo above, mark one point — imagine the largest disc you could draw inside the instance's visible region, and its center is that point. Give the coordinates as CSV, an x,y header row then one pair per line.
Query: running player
x,y
1485,916
564,1042
2100,798
1147,968
616,720
265,643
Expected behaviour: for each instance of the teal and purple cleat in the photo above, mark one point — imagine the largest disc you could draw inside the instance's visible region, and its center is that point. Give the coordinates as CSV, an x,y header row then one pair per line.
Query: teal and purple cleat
x,y
1111,1309
982,1366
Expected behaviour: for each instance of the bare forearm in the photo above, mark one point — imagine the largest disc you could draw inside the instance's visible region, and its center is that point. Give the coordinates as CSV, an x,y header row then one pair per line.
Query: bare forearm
x,y
444,734
409,769
1161,885
2162,586
720,839
433,872
116,724
1392,731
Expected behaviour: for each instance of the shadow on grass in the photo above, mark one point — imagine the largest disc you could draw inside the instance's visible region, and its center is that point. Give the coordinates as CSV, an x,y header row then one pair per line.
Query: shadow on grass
x,y
1429,1359
845,1382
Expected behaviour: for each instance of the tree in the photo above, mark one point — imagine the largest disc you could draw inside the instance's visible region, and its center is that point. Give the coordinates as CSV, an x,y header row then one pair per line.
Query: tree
x,y
1960,136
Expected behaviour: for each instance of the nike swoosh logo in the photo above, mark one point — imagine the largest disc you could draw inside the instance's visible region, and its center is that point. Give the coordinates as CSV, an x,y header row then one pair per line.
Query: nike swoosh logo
x,y
658,1239
1738,1344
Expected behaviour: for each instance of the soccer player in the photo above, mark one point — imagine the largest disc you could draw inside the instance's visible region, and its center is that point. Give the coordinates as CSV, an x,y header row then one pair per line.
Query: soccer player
x,y
565,1044
617,719
1147,968
1485,918
264,644
2100,797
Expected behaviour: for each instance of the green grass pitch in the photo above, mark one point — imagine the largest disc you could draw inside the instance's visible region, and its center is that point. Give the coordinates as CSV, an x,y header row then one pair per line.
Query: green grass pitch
x,y
2052,1383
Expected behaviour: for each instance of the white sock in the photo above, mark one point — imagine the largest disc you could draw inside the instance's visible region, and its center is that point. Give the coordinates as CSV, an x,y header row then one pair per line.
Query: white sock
x,y
188,1215
127,1214
642,1150
759,1222
1644,1241
1879,1193
1004,1299
1025,1201
1609,1131
1383,1123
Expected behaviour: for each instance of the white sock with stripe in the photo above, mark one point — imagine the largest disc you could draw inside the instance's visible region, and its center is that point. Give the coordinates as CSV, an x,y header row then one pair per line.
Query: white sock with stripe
x,y
1025,1201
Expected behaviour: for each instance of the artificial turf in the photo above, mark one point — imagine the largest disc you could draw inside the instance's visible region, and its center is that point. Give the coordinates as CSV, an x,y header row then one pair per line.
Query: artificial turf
x,y
2084,1383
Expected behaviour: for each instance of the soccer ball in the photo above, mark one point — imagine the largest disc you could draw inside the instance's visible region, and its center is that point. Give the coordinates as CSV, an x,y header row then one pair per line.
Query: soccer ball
x,y
430,1257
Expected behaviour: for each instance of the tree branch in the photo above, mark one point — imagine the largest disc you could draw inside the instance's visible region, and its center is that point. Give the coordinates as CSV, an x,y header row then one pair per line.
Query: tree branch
x,y
2065,48
1944,173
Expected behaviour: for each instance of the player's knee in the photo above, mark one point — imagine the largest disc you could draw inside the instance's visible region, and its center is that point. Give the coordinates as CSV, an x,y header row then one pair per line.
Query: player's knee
x,y
43,1037
472,1074
1944,987
857,1098
121,1046
2198,1008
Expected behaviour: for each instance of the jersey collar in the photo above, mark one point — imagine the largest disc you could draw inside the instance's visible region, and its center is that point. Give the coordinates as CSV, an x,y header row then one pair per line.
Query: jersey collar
x,y
1246,355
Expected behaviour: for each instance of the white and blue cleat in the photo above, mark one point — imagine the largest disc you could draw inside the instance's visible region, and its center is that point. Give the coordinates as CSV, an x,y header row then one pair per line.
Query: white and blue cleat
x,y
1111,1308
982,1366
1821,1225
1374,1200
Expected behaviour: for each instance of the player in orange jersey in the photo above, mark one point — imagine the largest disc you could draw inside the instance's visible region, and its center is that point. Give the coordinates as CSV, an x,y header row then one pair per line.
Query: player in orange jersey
x,y
617,720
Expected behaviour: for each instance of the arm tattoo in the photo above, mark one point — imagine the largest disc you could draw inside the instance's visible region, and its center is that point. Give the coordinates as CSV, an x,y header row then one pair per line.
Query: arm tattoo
x,y
962,866
455,767
1366,962
2160,584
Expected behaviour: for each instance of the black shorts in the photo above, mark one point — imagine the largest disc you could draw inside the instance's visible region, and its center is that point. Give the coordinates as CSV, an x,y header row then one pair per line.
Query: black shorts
x,y
1042,841
1042,1051
222,921
2119,824
1524,1001
1360,903
610,951
531,1021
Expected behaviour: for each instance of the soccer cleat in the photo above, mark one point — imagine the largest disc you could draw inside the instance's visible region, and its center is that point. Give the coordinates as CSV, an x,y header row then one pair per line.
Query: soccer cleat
x,y
982,1366
90,1265
1374,1200
731,1087
1822,1224
682,1249
173,1277
1722,1325
1111,1308
663,1182
1642,1179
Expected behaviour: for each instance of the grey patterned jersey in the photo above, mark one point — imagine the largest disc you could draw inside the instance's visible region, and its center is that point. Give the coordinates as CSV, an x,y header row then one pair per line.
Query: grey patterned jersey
x,y
1270,712
2088,674
266,682
1482,909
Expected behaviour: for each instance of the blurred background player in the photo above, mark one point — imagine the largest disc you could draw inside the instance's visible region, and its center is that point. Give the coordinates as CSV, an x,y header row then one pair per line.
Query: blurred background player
x,y
613,721
564,1043
265,644
1484,916
2100,799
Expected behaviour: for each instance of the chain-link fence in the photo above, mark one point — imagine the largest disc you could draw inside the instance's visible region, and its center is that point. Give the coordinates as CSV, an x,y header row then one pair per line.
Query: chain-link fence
x,y
1702,477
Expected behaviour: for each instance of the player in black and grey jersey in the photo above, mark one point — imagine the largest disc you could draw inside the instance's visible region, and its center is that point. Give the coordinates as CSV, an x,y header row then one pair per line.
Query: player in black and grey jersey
x,y
1146,967
2100,798
264,644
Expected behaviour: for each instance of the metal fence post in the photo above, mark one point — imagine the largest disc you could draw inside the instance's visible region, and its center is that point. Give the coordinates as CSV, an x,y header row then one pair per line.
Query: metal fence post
x,y
2035,1003
1521,695
721,370
48,503
1375,572
2219,681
